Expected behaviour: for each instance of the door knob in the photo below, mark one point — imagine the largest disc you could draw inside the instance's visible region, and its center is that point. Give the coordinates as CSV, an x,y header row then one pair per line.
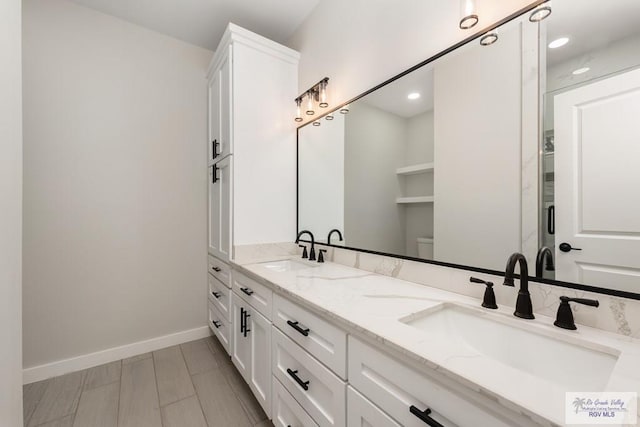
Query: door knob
x,y
566,247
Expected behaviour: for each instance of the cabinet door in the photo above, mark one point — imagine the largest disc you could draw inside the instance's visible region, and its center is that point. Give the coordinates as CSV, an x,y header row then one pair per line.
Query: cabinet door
x,y
241,346
225,106
260,372
214,117
220,209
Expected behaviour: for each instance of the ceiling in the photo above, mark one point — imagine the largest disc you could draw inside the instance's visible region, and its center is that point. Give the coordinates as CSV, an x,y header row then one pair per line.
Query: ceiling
x,y
202,22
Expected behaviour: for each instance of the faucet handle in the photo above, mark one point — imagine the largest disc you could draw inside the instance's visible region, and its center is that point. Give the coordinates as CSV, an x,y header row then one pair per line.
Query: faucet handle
x,y
564,317
304,251
320,256
489,300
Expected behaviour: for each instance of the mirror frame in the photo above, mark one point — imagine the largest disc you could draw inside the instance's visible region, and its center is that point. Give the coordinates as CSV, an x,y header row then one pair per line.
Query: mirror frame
x,y
475,36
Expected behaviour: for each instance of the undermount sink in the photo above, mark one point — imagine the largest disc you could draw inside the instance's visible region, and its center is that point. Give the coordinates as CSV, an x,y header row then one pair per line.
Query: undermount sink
x,y
570,363
286,265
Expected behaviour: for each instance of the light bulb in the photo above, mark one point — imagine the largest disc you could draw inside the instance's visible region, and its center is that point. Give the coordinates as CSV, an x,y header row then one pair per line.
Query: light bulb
x,y
489,38
468,15
558,42
316,123
329,116
323,94
541,12
298,110
310,111
344,109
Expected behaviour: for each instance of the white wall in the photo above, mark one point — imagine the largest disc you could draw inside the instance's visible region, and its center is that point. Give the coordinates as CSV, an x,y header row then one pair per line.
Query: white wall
x,y
374,149
114,183
478,153
11,214
360,43
321,178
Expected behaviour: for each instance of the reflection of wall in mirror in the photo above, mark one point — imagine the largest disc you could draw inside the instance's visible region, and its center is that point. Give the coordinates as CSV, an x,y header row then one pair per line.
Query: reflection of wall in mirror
x,y
478,99
321,177
374,148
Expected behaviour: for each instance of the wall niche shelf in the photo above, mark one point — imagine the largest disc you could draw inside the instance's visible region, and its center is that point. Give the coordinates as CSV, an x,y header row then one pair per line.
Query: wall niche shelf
x,y
410,200
415,169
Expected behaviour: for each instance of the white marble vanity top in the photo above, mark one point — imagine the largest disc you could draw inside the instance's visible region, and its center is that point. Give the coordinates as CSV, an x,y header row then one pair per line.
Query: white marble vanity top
x,y
372,305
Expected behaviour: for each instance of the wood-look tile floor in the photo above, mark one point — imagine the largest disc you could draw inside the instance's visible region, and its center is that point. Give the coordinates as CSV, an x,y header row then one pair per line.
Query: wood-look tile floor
x,y
193,384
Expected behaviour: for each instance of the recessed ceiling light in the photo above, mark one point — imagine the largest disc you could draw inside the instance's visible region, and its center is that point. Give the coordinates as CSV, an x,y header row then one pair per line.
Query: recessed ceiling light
x,y
558,42
581,71
414,95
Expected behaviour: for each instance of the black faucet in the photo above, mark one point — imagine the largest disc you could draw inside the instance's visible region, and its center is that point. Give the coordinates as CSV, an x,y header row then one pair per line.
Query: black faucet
x,y
544,253
524,308
312,252
335,230
489,300
564,317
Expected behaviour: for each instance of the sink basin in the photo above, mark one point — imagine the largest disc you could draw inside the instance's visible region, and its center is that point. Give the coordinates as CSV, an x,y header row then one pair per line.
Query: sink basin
x,y
567,362
286,265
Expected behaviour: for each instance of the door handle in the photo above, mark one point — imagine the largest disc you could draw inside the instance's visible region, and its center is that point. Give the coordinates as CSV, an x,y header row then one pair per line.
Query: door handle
x,y
424,416
551,220
246,316
214,174
242,326
214,147
566,247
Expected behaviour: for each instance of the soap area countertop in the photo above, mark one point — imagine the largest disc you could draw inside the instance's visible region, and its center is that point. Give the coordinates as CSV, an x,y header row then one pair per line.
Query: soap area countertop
x,y
524,365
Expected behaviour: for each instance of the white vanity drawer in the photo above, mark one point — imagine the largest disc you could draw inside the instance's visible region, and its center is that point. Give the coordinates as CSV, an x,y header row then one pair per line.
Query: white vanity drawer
x,y
316,388
395,388
361,412
258,295
220,270
220,295
323,340
286,411
220,326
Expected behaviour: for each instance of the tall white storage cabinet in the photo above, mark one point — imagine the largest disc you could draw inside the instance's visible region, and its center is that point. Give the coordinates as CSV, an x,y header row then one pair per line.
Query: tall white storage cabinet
x,y
252,162
252,185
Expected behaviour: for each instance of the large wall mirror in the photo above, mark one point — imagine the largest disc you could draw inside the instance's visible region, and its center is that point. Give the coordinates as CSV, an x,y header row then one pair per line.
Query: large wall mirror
x,y
520,139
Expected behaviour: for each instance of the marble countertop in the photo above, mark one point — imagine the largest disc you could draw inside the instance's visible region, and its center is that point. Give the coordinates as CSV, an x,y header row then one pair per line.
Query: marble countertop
x,y
372,305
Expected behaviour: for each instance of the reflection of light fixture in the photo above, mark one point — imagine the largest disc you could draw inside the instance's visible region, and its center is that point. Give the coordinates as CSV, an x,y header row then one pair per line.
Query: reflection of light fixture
x,y
344,109
299,110
315,94
413,95
558,42
468,16
580,71
316,123
329,116
489,38
541,12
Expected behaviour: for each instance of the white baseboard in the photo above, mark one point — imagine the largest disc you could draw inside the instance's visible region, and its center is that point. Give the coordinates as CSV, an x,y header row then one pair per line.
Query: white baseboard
x,y
61,367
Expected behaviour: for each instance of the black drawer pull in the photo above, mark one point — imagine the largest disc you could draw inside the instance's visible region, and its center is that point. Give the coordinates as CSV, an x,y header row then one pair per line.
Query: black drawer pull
x,y
295,325
293,374
215,294
424,416
216,324
246,316
216,269
247,291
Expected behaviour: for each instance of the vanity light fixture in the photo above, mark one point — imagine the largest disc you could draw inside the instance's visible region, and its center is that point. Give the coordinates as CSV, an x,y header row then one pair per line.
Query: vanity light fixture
x,y
315,94
541,12
580,71
344,109
489,38
468,15
558,42
413,95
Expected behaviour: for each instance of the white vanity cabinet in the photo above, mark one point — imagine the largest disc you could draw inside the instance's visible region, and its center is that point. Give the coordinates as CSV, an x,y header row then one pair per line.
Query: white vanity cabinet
x,y
252,82
251,352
